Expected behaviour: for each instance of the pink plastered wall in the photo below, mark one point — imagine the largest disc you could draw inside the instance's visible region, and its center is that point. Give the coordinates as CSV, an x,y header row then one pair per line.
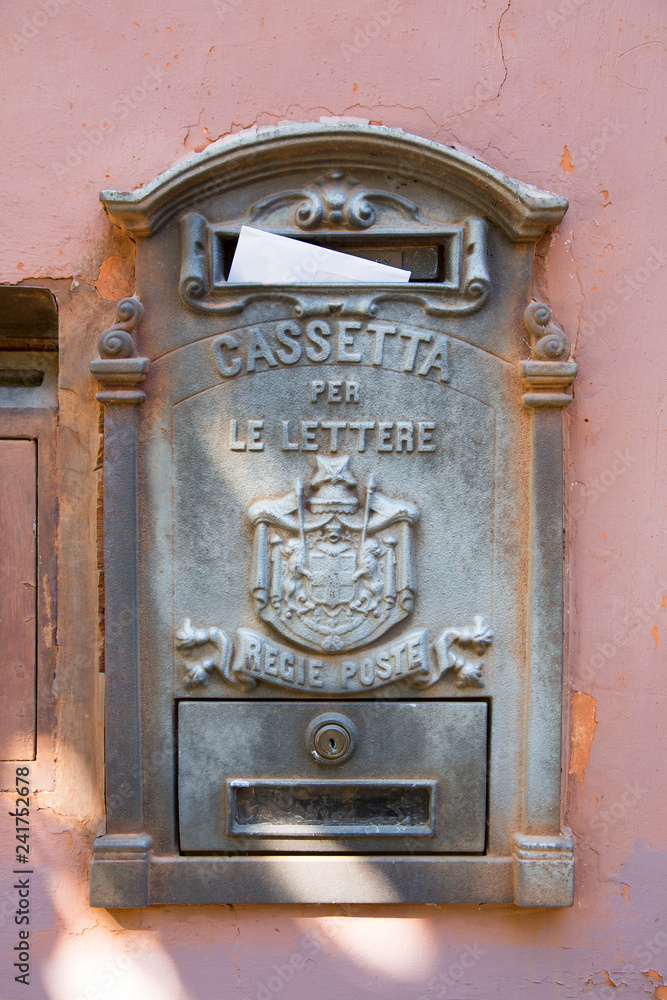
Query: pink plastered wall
x,y
565,94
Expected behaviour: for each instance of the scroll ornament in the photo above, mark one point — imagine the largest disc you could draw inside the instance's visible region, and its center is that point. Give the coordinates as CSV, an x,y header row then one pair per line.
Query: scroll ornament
x,y
118,369
334,200
197,671
117,341
254,657
477,637
549,341
550,369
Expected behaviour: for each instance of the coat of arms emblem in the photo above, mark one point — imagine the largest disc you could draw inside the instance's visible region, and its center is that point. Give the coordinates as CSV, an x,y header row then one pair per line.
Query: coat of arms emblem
x,y
333,571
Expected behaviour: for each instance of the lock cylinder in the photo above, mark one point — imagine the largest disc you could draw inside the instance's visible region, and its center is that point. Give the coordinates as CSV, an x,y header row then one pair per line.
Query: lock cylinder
x,y
331,738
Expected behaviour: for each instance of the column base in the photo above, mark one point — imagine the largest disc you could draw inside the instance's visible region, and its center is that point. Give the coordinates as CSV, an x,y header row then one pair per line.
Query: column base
x,y
543,870
119,870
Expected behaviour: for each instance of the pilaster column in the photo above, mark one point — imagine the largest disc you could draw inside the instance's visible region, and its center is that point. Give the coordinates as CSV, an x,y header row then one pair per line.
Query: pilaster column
x,y
119,371
543,855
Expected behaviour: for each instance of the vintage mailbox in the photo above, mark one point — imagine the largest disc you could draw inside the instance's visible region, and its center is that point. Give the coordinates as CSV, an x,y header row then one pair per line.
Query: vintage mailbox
x,y
333,536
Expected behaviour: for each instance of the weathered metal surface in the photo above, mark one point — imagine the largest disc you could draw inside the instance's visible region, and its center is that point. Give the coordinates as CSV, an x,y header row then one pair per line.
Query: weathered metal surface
x,y
443,743
340,492
317,879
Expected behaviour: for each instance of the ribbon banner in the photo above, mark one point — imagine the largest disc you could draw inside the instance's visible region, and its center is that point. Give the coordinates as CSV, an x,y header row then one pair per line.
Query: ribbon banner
x,y
257,658
254,657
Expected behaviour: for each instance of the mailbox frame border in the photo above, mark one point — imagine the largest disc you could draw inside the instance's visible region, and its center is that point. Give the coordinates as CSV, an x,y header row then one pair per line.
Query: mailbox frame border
x,y
125,872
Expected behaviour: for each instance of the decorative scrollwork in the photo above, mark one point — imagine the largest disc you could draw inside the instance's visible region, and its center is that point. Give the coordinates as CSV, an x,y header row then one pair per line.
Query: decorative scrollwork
x,y
193,282
449,646
334,200
549,342
197,671
203,289
193,287
434,304
238,304
117,341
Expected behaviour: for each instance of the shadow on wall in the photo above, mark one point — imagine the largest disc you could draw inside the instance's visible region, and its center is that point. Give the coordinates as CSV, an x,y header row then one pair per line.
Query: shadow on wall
x,y
297,952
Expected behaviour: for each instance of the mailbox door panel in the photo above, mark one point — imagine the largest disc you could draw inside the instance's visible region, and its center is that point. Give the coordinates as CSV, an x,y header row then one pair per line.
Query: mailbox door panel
x,y
333,776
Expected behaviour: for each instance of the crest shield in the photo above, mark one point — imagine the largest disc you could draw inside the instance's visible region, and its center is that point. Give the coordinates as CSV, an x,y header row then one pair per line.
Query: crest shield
x,y
332,579
329,572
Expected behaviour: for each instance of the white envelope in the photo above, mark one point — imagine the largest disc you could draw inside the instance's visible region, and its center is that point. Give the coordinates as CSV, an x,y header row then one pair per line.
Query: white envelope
x,y
267,259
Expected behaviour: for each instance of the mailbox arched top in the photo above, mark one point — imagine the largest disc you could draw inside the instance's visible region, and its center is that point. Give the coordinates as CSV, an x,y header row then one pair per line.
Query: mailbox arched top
x,y
334,200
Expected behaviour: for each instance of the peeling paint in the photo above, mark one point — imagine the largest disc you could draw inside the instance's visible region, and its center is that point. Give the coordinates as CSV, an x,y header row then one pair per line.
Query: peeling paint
x,y
566,161
197,138
655,632
583,730
47,627
116,278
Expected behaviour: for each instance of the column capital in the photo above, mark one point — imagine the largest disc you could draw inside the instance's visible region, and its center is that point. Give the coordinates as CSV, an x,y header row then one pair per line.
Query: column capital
x,y
118,368
550,368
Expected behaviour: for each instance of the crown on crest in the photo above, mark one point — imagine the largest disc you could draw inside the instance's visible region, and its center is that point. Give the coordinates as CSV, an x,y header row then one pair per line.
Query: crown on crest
x,y
331,484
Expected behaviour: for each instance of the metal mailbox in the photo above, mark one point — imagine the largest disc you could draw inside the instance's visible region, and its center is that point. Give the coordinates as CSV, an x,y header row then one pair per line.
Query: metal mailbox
x,y
333,536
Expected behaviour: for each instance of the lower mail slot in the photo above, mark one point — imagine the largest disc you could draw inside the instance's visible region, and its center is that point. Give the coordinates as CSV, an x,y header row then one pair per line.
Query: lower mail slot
x,y
322,808
332,776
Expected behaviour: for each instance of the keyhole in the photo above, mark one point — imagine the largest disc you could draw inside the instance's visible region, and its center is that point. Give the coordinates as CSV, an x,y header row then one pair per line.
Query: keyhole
x,y
330,740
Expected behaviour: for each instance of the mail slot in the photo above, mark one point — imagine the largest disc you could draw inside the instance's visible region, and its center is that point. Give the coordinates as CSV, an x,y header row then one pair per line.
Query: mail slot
x,y
333,531
326,808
